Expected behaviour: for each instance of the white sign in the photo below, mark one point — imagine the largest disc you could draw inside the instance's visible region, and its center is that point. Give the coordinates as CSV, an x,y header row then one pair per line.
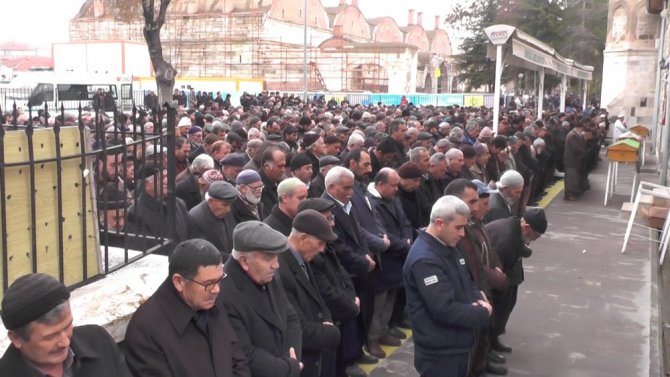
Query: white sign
x,y
499,34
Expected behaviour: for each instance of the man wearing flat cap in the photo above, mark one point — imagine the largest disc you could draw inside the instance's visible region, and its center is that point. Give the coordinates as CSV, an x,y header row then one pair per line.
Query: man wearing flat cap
x,y
183,329
320,337
36,313
317,185
148,215
510,238
338,292
212,218
231,166
262,316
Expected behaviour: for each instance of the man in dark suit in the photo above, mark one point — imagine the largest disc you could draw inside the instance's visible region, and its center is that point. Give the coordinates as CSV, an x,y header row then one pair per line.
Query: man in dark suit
x,y
188,188
350,247
212,218
176,332
320,336
317,185
36,312
509,238
261,315
506,202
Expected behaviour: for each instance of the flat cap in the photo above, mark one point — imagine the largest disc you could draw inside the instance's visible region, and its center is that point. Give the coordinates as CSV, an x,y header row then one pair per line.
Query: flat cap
x,y
247,177
480,149
315,224
257,236
233,159
309,138
424,136
409,170
536,218
147,170
331,139
222,190
299,160
30,297
317,204
329,160
341,129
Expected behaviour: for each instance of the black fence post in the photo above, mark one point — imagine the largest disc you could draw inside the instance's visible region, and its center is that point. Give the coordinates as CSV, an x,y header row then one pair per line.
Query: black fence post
x,y
33,189
171,168
3,212
59,192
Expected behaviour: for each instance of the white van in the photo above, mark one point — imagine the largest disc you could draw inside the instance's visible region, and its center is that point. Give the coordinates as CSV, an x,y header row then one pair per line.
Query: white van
x,y
95,91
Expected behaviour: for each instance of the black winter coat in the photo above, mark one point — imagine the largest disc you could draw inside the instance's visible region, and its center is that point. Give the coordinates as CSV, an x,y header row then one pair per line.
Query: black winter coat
x,y
163,340
319,341
95,354
266,331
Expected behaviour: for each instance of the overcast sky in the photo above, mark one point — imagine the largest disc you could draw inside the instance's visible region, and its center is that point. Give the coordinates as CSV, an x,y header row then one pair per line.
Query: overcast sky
x,y
43,22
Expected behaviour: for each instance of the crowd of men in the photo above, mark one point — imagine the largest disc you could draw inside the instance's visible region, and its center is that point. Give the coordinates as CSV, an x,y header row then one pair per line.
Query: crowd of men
x,y
310,234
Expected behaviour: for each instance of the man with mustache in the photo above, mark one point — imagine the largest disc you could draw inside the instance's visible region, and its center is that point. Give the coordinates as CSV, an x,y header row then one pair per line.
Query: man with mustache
x,y
184,322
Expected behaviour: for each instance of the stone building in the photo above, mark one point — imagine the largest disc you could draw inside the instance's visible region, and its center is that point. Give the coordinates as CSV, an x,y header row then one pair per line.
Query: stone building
x,y
630,61
264,39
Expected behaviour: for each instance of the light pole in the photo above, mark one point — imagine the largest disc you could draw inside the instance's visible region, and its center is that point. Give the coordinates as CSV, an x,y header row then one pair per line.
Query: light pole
x,y
520,89
304,56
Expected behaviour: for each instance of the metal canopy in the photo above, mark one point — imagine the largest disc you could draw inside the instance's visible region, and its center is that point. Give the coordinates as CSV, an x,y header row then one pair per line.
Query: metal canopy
x,y
511,46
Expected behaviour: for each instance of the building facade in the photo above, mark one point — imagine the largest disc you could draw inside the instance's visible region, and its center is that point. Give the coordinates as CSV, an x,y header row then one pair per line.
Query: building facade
x,y
264,39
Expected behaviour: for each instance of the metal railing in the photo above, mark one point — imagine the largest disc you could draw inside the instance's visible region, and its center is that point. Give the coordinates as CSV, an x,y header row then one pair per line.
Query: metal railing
x,y
102,151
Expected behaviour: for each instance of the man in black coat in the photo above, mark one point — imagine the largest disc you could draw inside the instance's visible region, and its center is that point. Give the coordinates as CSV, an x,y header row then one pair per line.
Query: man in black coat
x,y
184,322
36,312
509,238
273,167
291,193
320,336
212,218
148,215
350,247
317,185
413,203
337,290
261,315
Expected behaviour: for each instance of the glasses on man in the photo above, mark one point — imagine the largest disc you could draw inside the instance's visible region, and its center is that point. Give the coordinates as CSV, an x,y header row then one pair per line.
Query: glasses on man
x,y
257,188
208,286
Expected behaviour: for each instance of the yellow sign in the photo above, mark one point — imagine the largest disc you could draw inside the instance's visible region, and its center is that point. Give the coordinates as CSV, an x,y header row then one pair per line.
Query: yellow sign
x,y
438,73
473,101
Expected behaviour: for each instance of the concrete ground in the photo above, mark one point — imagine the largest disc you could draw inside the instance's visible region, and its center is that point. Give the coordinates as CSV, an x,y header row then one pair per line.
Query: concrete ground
x,y
585,309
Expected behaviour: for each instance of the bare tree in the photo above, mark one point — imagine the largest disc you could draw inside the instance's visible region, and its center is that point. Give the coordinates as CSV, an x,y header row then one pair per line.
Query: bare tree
x,y
165,73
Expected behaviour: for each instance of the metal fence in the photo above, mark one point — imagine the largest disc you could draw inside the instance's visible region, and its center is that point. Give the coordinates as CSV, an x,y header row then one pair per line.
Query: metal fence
x,y
71,158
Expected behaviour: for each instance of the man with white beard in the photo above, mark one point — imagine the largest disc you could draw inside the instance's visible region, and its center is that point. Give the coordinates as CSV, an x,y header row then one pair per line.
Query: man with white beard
x,y
248,204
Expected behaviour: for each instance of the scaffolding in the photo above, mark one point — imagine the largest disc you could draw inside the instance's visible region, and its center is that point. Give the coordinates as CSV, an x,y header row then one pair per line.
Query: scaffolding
x,y
240,44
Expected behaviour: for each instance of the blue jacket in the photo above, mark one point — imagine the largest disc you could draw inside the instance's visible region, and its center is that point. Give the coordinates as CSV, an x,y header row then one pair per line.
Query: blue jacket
x,y
440,293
